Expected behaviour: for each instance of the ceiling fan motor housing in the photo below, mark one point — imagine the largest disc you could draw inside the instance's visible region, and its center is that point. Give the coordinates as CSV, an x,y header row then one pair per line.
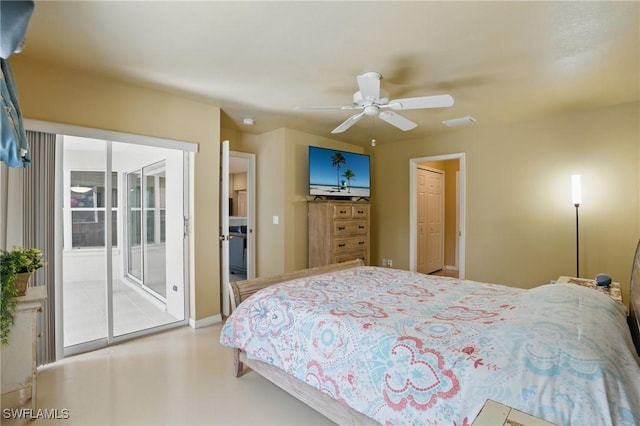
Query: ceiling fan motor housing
x,y
371,110
359,101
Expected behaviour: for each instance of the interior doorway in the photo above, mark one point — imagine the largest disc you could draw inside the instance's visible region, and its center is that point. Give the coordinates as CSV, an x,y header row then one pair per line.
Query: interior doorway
x,y
451,247
237,224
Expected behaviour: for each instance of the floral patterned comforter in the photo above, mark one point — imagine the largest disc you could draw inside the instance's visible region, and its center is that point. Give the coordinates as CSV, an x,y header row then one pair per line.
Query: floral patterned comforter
x,y
410,349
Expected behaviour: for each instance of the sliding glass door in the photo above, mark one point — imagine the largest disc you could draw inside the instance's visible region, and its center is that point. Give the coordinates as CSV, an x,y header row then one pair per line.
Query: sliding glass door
x,y
123,260
146,228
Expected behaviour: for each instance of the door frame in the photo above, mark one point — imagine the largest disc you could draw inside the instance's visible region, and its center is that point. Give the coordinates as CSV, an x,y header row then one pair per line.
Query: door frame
x,y
413,168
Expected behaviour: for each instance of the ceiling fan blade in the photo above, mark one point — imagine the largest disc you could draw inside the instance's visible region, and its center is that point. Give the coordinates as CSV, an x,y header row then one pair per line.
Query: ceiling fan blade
x,y
397,120
369,84
436,101
305,108
348,123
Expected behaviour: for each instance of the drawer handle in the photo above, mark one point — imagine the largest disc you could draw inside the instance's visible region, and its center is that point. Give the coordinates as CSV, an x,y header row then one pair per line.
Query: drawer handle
x,y
360,242
340,228
361,227
360,211
341,245
343,211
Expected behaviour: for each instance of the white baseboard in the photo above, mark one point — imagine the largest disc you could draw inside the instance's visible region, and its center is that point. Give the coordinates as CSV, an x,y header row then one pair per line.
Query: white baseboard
x,y
205,322
450,268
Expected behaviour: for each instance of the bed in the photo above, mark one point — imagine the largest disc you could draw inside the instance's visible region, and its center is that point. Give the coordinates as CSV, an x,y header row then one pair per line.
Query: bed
x,y
368,345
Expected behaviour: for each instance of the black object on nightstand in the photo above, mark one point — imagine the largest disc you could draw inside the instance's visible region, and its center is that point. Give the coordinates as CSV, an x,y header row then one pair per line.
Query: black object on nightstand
x,y
603,280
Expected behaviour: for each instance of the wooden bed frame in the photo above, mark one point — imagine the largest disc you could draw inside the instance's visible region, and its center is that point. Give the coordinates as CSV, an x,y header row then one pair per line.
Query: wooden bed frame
x,y
323,403
634,300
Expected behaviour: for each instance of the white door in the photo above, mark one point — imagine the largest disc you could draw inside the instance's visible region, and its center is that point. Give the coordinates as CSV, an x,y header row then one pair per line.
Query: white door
x,y
224,227
435,221
430,217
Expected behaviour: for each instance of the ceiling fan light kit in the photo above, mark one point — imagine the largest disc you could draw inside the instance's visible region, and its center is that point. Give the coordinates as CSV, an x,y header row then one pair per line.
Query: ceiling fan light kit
x,y
459,121
373,103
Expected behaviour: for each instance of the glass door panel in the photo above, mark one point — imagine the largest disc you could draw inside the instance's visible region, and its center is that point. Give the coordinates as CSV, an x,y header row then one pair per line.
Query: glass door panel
x,y
134,225
84,296
154,247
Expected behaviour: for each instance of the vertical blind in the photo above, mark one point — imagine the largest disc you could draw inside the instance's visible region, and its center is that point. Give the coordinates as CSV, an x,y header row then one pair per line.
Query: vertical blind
x,y
39,230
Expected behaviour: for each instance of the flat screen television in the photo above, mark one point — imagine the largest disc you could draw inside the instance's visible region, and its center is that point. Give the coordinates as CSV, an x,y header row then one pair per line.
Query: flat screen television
x,y
339,174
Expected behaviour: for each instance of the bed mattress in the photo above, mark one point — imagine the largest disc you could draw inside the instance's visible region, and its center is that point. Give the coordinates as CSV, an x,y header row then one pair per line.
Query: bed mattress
x,y
407,348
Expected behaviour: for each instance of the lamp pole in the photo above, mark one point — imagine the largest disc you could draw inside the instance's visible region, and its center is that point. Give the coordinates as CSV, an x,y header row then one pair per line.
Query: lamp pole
x,y
576,196
577,244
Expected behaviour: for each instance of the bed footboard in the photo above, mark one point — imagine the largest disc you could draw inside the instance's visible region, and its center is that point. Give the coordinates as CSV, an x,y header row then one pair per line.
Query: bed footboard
x,y
319,401
241,290
331,408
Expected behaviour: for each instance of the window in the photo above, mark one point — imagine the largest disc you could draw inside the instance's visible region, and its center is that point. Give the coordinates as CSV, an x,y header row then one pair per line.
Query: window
x,y
156,204
87,205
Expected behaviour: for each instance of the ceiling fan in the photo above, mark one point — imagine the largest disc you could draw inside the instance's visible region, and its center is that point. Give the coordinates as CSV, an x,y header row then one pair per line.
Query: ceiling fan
x,y
372,102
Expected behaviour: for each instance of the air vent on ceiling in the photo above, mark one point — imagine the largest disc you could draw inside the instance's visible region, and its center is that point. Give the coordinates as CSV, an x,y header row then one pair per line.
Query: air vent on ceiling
x,y
459,121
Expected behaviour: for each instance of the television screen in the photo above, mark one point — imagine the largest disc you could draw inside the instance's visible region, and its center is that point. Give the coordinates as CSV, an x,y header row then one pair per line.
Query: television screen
x,y
335,173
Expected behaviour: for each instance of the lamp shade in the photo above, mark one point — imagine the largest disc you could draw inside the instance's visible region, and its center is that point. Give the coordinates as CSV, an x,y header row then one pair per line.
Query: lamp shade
x,y
576,189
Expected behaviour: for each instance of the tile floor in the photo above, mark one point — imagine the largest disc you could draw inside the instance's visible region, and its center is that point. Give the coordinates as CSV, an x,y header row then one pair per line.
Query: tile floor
x,y
177,377
85,311
237,276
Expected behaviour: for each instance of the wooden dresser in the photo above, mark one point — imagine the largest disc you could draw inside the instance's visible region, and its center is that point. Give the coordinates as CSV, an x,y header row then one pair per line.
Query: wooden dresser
x,y
338,232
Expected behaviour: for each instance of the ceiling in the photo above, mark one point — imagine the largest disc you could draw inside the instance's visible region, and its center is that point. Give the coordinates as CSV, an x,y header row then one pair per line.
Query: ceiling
x,y
501,61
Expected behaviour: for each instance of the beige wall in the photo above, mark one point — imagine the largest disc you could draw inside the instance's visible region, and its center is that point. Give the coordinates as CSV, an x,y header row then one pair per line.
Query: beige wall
x,y
282,190
451,167
520,223
60,95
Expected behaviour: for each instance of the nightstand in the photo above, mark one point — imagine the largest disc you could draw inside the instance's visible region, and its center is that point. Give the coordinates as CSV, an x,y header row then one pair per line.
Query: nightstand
x,y
494,413
612,290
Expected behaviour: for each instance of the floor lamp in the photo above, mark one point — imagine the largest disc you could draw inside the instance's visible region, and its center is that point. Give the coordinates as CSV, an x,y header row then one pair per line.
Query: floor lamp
x,y
576,197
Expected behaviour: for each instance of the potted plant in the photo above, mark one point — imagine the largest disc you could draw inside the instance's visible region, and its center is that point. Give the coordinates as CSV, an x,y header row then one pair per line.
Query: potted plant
x,y
16,267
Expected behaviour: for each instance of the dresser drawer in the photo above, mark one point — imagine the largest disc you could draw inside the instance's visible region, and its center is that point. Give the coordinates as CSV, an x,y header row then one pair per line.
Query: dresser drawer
x,y
359,212
342,228
341,245
345,257
341,212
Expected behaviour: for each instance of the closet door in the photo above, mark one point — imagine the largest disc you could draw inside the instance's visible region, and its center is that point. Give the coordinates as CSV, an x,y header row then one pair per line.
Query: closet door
x,y
430,220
